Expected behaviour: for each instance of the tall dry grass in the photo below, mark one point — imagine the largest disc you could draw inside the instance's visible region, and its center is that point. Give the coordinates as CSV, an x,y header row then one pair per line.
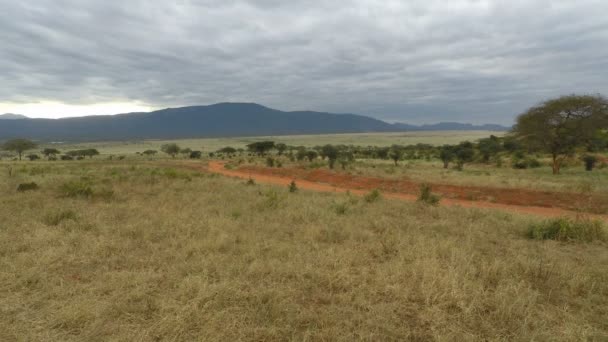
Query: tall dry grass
x,y
176,255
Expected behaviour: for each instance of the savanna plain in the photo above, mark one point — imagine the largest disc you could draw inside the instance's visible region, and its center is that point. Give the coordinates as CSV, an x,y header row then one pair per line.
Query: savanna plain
x,y
162,249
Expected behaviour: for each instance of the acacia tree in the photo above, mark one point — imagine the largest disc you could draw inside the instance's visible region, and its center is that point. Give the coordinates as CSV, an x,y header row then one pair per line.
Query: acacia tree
x,y
170,149
261,147
561,125
464,153
19,146
280,148
331,152
395,153
489,147
50,152
446,154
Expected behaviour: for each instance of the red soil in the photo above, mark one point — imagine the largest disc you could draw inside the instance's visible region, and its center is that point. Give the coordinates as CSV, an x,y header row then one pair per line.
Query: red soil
x,y
542,203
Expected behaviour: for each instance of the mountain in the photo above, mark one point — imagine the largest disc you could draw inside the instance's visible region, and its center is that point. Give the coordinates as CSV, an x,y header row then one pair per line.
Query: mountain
x,y
219,120
9,116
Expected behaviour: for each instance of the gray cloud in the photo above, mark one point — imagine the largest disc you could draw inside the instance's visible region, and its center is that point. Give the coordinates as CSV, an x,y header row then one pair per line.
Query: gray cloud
x,y
415,61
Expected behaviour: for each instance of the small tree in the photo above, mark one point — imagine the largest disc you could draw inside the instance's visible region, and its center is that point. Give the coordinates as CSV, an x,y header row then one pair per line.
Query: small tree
x,y
261,147
90,152
50,153
489,147
446,154
395,154
311,155
170,149
589,161
149,152
19,146
280,147
196,155
464,153
331,152
561,125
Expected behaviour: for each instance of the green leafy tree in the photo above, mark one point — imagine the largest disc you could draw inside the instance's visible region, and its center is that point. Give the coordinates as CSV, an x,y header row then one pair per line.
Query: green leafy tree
x,y
464,153
227,150
261,147
489,147
311,155
170,149
331,153
50,152
447,155
280,147
19,146
149,152
559,126
395,153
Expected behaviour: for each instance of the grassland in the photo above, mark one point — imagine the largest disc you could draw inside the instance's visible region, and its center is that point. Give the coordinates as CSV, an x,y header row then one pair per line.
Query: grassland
x,y
362,139
134,251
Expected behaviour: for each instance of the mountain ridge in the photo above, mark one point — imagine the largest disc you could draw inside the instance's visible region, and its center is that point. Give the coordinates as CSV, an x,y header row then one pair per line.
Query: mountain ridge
x,y
11,116
217,120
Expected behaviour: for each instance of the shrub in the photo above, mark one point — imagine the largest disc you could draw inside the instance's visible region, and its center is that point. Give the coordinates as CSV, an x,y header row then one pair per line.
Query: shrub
x,y
76,189
533,163
55,219
426,196
66,157
589,161
250,181
292,186
373,196
341,208
566,229
270,162
27,187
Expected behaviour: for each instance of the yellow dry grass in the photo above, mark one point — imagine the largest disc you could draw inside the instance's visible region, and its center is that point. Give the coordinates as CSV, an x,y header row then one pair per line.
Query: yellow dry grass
x,y
166,255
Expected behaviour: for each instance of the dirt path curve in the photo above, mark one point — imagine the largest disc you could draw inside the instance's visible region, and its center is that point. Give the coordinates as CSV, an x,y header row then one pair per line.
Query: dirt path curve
x,y
218,167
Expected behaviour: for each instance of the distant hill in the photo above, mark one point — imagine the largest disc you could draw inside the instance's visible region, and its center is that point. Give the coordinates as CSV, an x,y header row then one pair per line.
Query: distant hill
x,y
9,116
219,120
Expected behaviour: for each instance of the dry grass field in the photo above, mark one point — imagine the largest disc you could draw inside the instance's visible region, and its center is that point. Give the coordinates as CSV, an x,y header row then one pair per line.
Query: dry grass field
x,y
134,251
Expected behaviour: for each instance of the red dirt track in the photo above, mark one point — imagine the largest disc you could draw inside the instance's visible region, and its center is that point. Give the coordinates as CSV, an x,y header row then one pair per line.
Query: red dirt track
x,y
542,203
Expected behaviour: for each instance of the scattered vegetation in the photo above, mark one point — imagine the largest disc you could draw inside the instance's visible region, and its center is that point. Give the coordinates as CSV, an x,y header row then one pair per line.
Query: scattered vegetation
x,y
426,195
566,229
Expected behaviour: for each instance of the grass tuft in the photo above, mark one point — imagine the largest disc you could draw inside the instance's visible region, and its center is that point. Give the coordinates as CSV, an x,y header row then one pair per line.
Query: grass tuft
x,y
566,229
426,196
54,219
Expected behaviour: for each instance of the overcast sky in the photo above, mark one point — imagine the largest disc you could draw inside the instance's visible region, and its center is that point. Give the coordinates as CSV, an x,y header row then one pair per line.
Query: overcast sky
x,y
413,61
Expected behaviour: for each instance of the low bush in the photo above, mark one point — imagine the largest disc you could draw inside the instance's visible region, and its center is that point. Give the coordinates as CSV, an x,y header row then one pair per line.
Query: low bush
x,y
566,229
27,187
373,196
293,187
426,196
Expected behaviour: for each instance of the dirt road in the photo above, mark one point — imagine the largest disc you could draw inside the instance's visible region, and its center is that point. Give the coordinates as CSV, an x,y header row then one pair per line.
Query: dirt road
x,y
263,176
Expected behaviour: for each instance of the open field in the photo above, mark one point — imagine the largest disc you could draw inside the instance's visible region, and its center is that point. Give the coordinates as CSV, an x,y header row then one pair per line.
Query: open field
x,y
139,251
363,139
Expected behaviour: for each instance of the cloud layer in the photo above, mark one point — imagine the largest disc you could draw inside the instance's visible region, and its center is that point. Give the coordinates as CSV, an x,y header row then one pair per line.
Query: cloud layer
x,y
412,61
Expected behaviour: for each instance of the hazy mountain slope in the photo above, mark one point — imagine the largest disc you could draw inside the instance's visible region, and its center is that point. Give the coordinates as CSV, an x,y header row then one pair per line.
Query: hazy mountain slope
x,y
223,119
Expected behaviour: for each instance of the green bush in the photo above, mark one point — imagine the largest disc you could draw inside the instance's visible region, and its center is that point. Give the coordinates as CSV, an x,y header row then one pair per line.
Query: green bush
x,y
566,229
373,196
426,196
27,187
293,187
